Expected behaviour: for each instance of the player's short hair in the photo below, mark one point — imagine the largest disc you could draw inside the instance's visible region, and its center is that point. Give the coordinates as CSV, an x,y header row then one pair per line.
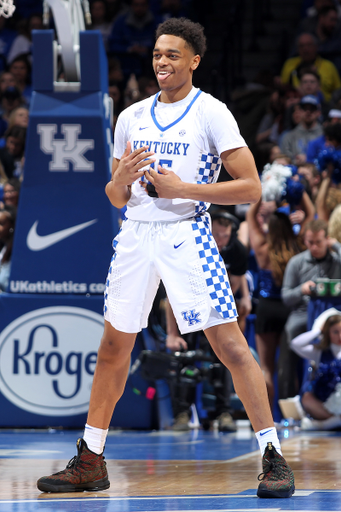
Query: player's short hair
x,y
189,31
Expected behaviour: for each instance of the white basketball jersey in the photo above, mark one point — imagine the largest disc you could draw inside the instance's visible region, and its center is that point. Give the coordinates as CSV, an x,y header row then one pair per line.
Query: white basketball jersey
x,y
187,137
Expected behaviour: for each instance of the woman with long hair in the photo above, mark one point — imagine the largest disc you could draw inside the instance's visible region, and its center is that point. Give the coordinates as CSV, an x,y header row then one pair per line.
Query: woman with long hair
x,y
321,392
273,249
7,223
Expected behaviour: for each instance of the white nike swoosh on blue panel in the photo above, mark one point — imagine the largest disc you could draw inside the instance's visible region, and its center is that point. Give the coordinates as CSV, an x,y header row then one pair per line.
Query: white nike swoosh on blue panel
x,y
36,242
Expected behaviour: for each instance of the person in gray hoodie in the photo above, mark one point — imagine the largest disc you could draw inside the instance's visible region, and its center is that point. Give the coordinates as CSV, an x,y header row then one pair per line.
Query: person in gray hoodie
x,y
321,259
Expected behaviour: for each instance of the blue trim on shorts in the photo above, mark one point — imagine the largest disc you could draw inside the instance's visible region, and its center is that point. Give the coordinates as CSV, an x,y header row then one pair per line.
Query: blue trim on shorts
x,y
214,269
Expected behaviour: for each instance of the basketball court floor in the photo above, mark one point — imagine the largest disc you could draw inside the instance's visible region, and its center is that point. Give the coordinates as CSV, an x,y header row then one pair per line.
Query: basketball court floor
x,y
165,471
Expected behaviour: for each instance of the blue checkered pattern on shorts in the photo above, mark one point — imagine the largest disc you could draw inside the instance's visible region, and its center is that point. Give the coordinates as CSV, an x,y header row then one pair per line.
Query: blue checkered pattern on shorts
x,y
114,244
208,172
214,268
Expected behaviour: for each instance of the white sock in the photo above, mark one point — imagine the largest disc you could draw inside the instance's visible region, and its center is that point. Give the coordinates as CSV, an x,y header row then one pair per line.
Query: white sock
x,y
268,435
95,438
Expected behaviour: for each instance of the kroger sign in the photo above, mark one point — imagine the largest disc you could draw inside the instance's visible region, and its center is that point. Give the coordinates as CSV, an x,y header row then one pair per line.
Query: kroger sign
x,y
48,358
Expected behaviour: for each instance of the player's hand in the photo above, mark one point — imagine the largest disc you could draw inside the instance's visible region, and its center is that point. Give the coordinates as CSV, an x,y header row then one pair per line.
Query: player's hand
x,y
132,164
175,343
167,184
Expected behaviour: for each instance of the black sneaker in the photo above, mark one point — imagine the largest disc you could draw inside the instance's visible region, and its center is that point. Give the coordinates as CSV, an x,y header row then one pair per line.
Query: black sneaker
x,y
277,479
86,471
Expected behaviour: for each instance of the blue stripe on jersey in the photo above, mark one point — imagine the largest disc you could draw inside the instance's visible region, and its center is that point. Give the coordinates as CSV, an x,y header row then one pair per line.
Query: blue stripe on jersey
x,y
214,269
152,111
209,167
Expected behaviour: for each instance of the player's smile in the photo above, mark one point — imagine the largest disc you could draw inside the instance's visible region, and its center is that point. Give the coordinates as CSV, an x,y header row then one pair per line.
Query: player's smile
x,y
174,63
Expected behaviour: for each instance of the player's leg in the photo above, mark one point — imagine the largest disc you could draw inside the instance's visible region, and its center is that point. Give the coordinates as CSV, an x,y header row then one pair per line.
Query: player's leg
x,y
87,471
130,290
112,367
231,348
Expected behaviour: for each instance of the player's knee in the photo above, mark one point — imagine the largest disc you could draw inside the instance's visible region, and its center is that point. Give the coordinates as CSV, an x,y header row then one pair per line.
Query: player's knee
x,y
113,351
235,354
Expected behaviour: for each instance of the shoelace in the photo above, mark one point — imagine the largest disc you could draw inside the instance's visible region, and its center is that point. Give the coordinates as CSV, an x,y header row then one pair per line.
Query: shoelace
x,y
275,467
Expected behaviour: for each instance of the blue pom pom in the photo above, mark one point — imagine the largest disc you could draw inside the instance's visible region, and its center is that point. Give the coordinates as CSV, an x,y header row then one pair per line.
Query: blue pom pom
x,y
293,192
330,155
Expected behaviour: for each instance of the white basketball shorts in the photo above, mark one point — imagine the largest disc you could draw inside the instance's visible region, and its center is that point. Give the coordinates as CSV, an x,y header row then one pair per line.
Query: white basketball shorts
x,y
185,256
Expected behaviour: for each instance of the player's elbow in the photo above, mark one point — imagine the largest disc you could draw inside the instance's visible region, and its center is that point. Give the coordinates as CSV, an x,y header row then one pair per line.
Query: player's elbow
x,y
254,192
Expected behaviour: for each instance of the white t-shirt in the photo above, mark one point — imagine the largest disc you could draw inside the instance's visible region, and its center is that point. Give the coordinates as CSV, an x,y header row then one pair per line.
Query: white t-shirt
x,y
187,137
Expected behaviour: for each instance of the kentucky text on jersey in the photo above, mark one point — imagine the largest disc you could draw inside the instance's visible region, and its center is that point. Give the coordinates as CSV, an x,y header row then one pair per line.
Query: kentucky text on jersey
x,y
168,148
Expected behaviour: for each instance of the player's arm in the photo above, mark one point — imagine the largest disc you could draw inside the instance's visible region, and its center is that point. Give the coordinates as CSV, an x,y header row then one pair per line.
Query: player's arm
x,y
244,188
124,172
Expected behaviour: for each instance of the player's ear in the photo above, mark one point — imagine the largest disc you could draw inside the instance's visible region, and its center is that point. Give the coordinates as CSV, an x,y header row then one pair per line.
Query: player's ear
x,y
195,62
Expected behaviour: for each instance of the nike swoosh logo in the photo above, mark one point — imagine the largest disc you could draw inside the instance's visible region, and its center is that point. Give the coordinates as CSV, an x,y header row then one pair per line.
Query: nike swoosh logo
x,y
144,128
263,434
176,246
36,242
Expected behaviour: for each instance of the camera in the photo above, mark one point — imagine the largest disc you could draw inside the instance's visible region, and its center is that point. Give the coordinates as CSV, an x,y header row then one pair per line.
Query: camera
x,y
180,366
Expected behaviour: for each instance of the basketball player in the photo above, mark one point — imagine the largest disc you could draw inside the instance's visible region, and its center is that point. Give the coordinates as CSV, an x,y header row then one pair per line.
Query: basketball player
x,y
168,150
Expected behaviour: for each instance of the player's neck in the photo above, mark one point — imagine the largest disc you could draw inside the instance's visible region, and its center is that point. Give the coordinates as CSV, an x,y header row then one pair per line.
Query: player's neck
x,y
174,95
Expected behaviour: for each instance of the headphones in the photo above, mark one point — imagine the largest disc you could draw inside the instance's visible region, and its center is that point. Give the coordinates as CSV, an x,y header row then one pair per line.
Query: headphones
x,y
221,214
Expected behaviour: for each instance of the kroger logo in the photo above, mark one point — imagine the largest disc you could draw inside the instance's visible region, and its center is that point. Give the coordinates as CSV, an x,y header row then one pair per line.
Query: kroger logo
x,y
47,360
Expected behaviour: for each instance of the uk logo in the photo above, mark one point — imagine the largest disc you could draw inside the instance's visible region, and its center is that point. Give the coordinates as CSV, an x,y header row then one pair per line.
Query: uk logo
x,y
68,150
191,317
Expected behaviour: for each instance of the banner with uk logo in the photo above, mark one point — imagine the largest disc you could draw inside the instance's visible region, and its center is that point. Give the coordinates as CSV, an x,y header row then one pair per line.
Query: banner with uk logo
x,y
51,317
65,222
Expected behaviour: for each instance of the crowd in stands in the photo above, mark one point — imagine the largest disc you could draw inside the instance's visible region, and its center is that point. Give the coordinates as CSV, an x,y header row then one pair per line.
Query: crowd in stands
x,y
291,120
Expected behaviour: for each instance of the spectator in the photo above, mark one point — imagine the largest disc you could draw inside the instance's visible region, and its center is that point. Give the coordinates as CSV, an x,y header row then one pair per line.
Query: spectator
x,y
334,224
271,125
7,223
11,191
20,68
171,9
309,22
99,18
319,394
272,250
313,177
11,156
310,85
328,33
329,196
294,143
308,56
132,38
249,105
6,80
115,8
318,260
18,116
116,95
11,99
315,146
7,37
22,44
